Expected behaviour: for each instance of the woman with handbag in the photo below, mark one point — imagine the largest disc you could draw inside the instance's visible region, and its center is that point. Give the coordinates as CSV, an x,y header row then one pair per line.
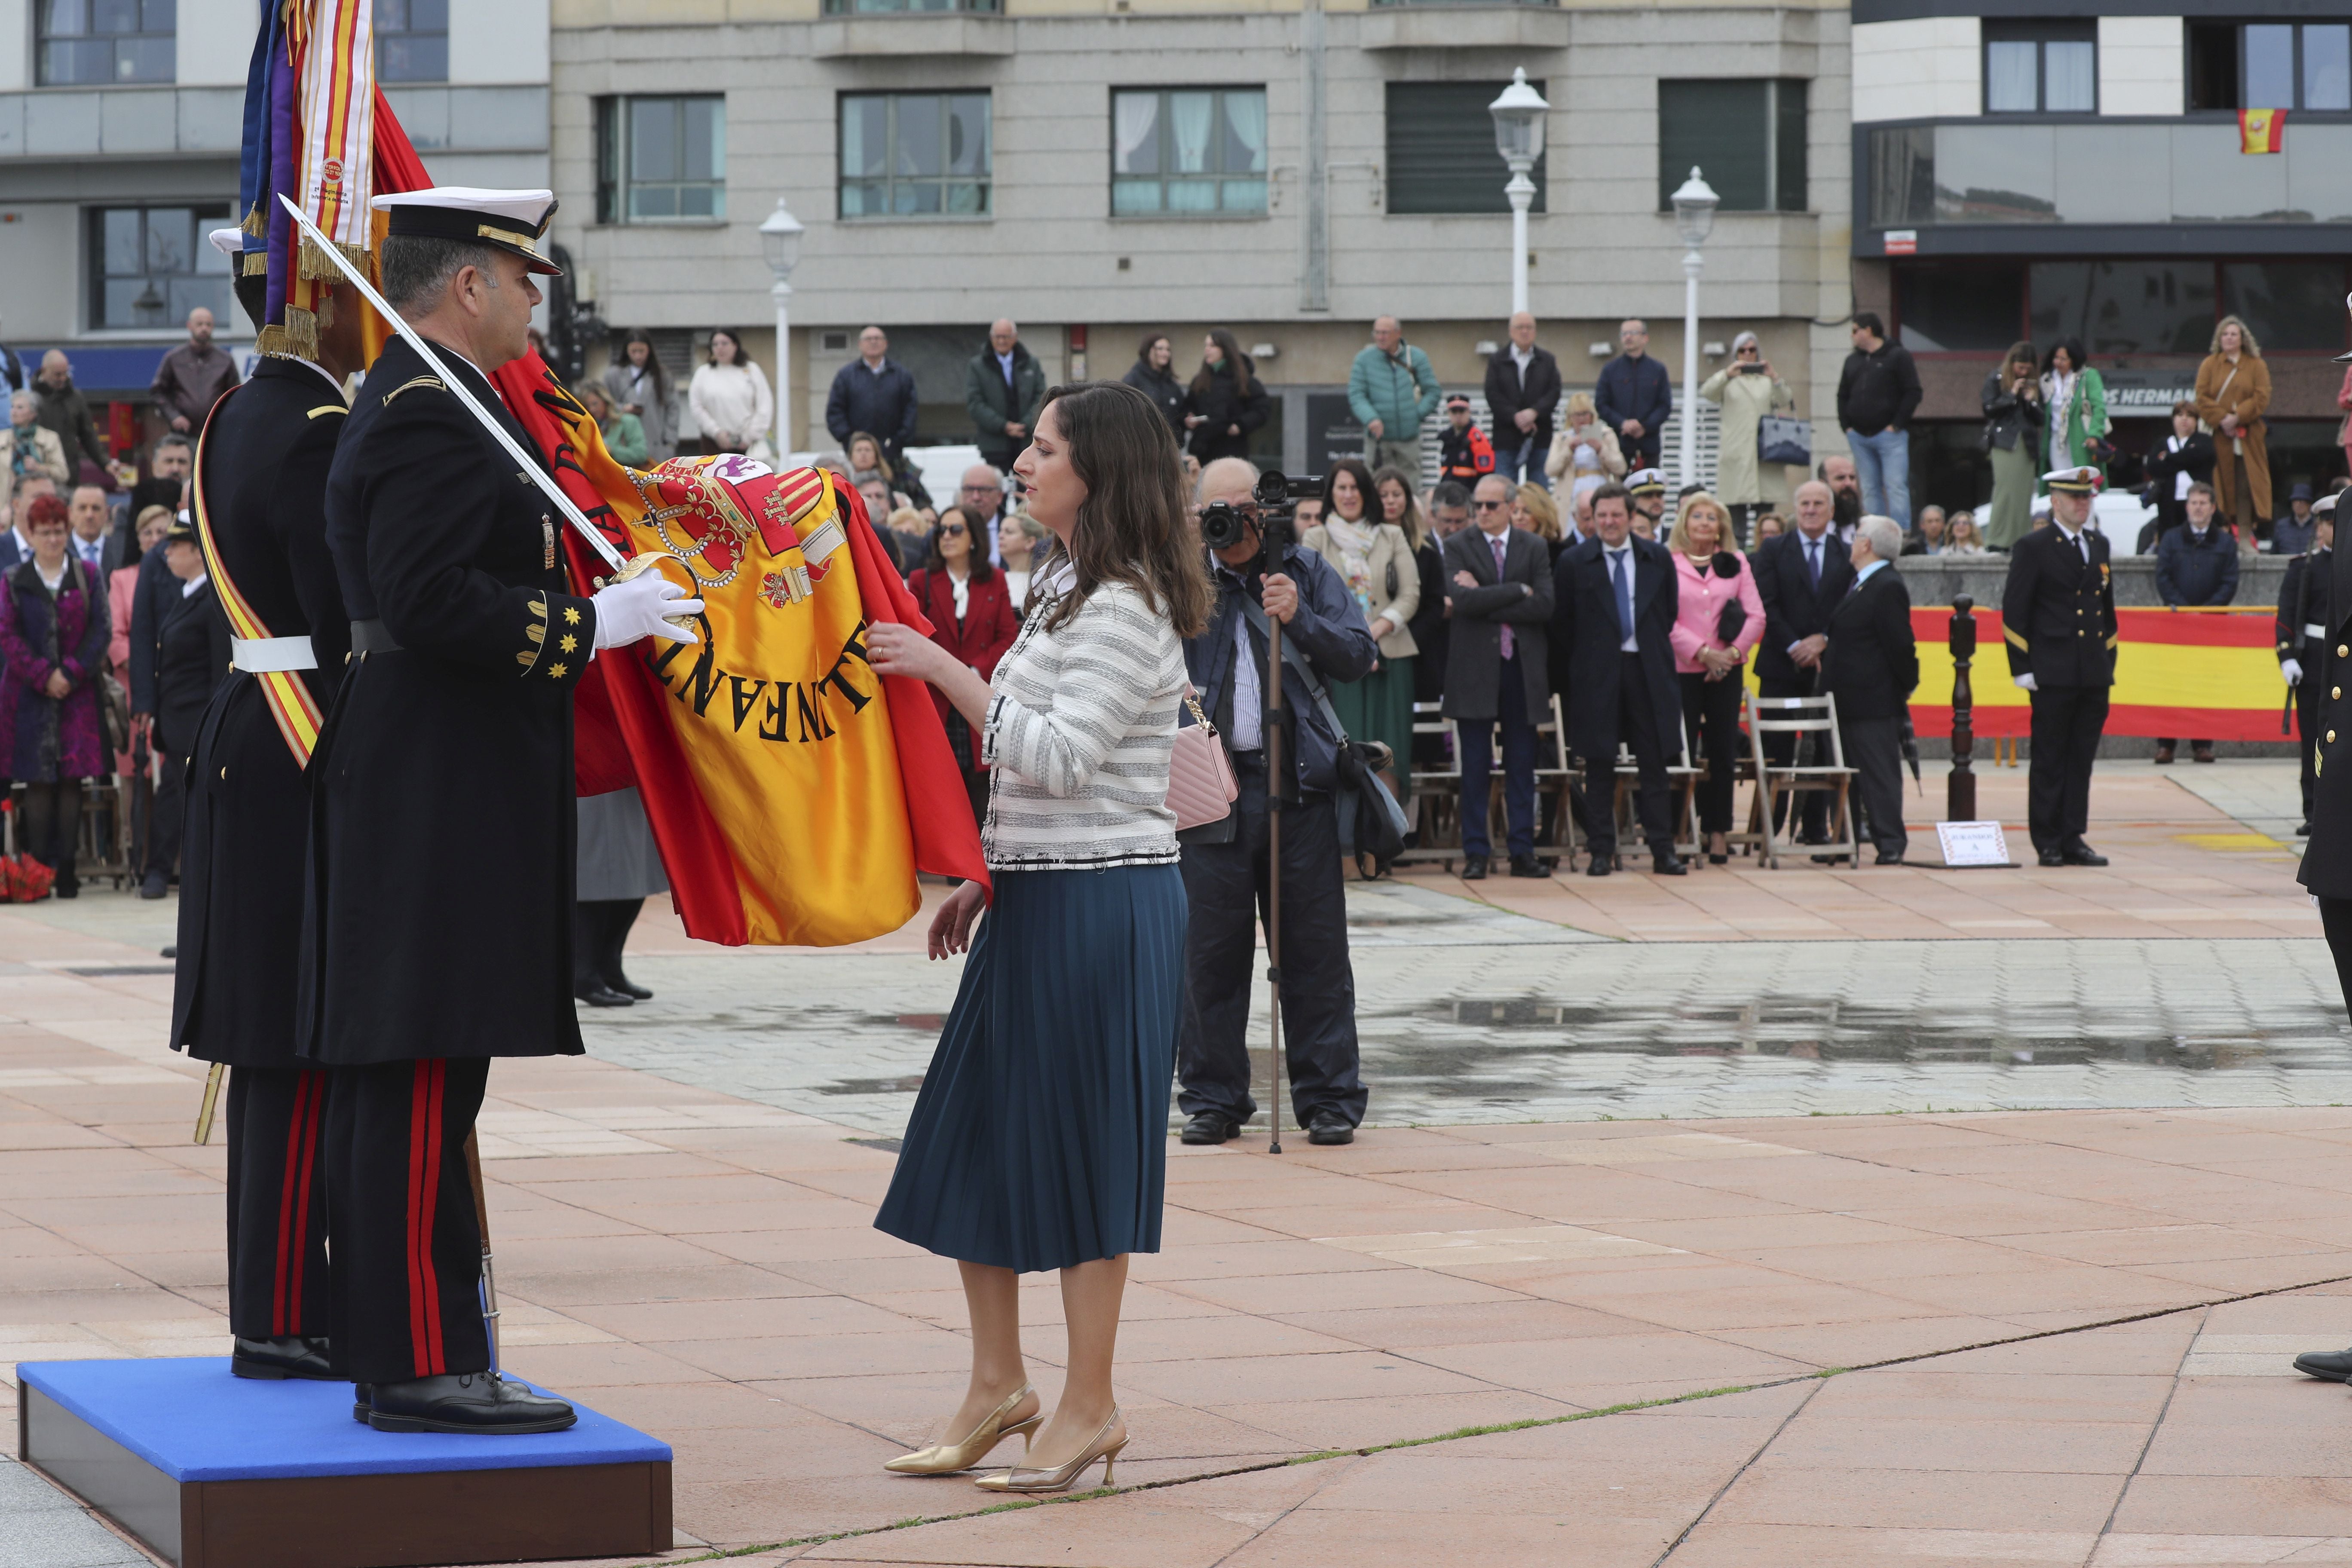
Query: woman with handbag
x,y
2234,393
1749,389
970,607
2077,396
1375,558
2012,440
1039,1140
1718,621
53,635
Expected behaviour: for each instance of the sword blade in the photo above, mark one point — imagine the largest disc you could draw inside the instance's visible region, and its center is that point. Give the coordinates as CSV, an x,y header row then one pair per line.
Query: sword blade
x,y
530,463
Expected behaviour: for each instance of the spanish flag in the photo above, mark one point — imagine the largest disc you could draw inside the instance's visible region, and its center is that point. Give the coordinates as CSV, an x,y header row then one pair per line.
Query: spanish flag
x,y
2262,131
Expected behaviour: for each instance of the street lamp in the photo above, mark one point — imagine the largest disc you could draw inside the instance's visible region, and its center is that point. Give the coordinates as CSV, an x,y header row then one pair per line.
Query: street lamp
x,y
780,238
1520,137
1695,207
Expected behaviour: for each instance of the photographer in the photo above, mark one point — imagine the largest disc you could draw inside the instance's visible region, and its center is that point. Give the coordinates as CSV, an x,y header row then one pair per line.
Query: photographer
x,y
1226,883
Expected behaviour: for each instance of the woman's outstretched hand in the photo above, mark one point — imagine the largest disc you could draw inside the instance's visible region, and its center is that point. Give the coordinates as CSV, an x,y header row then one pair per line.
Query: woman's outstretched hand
x,y
894,649
952,926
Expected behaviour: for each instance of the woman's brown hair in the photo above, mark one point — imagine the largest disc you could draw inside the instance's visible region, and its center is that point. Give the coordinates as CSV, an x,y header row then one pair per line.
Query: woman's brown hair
x,y
1134,525
1245,383
2019,354
1377,509
975,560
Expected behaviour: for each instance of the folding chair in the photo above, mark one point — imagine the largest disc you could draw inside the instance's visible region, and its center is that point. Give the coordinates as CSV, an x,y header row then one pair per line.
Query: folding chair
x,y
1555,777
1433,791
1800,717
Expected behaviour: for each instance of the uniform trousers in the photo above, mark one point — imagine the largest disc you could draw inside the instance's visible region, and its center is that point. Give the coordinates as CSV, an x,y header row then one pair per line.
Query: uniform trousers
x,y
1781,751
2067,722
407,1261
1226,886
167,814
2306,729
1637,727
2336,922
277,1203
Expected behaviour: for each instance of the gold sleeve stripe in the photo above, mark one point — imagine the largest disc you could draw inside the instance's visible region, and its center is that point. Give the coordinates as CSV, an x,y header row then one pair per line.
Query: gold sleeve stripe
x,y
2014,639
326,408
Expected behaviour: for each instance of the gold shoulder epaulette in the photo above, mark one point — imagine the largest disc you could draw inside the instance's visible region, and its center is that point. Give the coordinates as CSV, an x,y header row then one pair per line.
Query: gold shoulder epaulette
x,y
325,408
433,381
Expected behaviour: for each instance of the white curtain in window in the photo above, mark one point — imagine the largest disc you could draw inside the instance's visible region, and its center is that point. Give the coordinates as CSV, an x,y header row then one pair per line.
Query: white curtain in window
x,y
1189,115
2069,69
1137,122
1245,119
2009,77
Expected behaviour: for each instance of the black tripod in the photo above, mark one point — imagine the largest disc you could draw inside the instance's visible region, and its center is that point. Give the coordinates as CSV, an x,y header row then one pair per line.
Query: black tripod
x,y
1273,797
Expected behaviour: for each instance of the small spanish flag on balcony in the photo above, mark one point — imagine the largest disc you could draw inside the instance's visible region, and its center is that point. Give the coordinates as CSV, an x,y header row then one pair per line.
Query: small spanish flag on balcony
x,y
2262,131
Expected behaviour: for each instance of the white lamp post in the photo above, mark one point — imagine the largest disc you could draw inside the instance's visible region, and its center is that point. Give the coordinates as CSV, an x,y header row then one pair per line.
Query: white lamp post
x,y
1695,207
1520,137
780,238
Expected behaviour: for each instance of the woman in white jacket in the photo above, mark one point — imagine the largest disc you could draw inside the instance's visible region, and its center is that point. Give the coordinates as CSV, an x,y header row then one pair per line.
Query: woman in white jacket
x,y
731,398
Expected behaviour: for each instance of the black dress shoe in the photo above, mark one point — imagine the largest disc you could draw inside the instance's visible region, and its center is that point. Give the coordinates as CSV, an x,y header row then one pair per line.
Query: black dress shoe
x,y
1330,1127
152,885
2303,831
465,1402
2053,858
599,995
1666,863
627,988
290,1355
1528,865
1605,861
2082,855
360,1392
1886,860
1210,1127
1473,869
2334,1366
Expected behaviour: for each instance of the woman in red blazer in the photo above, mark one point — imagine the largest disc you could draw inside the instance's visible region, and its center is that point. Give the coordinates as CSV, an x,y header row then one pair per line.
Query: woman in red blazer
x,y
971,614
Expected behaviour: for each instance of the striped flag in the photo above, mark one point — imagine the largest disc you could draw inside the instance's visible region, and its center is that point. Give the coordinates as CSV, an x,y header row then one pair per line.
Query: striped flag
x,y
2262,131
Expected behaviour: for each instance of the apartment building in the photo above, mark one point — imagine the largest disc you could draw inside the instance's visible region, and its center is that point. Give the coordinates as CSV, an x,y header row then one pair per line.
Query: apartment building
x,y
2042,169
1098,169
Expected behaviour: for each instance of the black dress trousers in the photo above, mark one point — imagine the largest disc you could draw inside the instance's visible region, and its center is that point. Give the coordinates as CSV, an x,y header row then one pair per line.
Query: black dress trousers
x,y
2067,723
2336,921
277,1203
408,1248
1711,713
1637,727
1226,887
2306,730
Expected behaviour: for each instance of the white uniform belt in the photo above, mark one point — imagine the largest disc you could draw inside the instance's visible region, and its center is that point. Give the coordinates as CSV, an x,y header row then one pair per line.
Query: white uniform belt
x,y
2314,632
265,656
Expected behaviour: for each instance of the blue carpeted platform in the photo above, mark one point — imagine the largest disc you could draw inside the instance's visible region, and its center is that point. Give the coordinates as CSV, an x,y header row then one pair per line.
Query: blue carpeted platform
x,y
190,1419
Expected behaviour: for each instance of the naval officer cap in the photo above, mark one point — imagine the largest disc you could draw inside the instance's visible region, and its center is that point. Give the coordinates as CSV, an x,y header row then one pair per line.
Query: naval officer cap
x,y
2072,481
2325,506
1646,483
512,221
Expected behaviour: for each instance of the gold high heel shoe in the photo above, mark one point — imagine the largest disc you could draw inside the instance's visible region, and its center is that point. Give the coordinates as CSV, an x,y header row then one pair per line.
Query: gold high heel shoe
x,y
946,1458
1019,1478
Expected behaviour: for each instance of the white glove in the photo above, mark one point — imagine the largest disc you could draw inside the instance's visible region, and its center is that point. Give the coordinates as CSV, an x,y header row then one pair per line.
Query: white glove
x,y
2292,670
638,607
2024,681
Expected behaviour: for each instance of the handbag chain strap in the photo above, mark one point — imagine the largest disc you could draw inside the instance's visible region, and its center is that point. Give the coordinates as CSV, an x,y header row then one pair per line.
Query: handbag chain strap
x,y
1198,717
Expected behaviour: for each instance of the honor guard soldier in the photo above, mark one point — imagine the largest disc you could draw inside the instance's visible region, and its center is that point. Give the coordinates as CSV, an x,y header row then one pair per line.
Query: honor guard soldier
x,y
2058,613
2303,622
259,504
438,932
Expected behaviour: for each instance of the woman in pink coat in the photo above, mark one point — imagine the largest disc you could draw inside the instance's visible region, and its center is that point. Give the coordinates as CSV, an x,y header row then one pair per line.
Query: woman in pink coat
x,y
2344,433
1720,620
121,588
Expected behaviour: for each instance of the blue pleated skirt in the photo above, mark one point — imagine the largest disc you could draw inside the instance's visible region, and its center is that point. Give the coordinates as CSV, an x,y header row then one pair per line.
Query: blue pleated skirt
x,y
1040,1137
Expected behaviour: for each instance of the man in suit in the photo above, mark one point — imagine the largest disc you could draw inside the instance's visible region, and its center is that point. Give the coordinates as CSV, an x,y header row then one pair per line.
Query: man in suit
x,y
2302,623
1871,664
1615,602
1800,576
2058,613
2196,563
98,551
1498,583
1522,391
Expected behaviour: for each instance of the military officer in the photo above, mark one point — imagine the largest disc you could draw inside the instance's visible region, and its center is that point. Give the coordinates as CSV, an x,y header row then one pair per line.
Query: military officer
x,y
2303,622
437,928
2058,613
259,501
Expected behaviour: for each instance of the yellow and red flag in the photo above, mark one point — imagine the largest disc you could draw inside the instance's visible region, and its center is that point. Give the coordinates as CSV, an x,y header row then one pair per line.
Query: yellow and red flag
x,y
794,792
2262,131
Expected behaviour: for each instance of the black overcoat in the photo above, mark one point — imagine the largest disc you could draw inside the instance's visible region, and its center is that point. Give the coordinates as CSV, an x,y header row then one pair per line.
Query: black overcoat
x,y
2058,611
1588,643
1473,638
1871,665
2327,858
267,448
438,915
1794,609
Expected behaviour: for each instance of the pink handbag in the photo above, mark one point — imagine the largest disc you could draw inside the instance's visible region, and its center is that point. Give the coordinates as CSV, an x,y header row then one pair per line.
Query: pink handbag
x,y
1201,784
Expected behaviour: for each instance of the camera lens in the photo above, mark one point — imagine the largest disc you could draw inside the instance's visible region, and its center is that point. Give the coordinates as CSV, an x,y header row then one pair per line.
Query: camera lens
x,y
1221,526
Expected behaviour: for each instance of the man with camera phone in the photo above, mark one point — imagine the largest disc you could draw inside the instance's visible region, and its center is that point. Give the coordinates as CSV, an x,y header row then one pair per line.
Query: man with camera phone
x,y
1259,570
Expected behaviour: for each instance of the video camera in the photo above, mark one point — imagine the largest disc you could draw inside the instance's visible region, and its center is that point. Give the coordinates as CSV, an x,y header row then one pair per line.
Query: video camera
x,y
1224,525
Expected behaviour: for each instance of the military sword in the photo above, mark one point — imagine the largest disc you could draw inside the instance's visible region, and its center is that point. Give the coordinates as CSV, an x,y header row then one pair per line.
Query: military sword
x,y
622,566
212,1098
489,1281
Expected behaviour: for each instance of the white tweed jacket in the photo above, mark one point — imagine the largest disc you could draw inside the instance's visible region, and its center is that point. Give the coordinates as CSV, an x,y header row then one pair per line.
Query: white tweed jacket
x,y
1080,728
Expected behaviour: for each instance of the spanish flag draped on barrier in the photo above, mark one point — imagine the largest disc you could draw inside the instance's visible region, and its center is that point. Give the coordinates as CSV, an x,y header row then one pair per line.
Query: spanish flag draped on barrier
x,y
792,791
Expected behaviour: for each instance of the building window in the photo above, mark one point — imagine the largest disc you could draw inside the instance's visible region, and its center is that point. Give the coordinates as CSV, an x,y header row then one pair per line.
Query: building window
x,y
907,154
1961,306
149,266
1748,137
892,7
2271,64
412,41
2041,67
661,160
1187,151
1441,149
89,42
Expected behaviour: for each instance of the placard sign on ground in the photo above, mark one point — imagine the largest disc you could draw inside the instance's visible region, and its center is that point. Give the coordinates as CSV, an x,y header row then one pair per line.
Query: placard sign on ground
x,y
1973,843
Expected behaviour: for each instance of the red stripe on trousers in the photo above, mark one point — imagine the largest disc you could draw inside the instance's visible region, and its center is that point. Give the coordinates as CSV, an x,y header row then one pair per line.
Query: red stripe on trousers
x,y
419,1092
430,1359
302,1204
287,1200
